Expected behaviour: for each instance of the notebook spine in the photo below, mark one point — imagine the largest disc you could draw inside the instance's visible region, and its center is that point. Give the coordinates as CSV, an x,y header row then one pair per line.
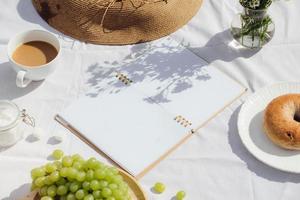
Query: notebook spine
x,y
123,78
182,121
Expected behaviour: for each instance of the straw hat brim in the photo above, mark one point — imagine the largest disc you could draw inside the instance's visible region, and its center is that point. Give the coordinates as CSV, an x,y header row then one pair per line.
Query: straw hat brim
x,y
123,22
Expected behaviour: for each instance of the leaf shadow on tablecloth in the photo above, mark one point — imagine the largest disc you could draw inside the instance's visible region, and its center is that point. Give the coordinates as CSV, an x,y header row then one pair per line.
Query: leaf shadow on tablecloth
x,y
19,193
8,88
157,64
257,167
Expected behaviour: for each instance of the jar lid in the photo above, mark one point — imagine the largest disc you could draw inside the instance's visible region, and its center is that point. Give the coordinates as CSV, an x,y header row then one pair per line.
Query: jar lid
x,y
9,114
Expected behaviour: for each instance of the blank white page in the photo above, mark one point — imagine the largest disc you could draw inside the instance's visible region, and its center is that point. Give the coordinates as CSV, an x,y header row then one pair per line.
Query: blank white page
x,y
131,130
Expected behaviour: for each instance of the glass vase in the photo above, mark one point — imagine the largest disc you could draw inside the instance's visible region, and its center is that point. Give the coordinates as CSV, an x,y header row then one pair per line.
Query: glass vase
x,y
252,28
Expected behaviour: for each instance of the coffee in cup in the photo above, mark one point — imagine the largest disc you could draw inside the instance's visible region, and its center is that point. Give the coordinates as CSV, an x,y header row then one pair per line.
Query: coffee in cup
x,y
33,55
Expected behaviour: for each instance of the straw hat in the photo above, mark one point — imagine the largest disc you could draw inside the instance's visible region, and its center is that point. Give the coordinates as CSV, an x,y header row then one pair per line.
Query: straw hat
x,y
117,21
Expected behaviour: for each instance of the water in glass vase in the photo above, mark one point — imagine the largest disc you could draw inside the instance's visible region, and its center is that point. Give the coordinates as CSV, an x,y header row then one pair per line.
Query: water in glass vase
x,y
253,28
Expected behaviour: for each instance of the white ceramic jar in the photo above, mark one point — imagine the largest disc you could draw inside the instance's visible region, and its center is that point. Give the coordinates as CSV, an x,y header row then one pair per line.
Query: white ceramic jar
x,y
11,118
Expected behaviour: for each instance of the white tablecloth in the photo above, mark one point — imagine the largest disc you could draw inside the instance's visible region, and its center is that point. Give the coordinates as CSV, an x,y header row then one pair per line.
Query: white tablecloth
x,y
212,164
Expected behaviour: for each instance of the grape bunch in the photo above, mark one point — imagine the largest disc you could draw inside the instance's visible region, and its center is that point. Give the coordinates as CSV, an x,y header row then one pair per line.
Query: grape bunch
x,y
72,178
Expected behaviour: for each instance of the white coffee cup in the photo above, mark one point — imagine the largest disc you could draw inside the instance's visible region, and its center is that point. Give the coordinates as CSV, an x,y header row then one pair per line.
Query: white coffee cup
x,y
27,74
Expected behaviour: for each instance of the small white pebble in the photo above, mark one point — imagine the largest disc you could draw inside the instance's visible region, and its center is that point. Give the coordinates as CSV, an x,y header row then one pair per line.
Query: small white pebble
x,y
37,133
59,136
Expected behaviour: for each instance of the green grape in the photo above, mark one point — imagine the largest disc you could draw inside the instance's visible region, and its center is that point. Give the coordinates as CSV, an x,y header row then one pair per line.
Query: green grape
x,y
61,181
54,176
40,181
113,186
74,186
46,198
123,186
106,192
51,191
100,174
101,165
89,197
82,161
84,166
71,197
72,172
33,186
63,197
80,176
159,187
86,185
98,165
111,198
38,172
63,172
43,191
68,185
91,160
117,179
77,157
58,164
70,179
62,190
103,184
114,170
118,194
48,181
50,167
80,194
67,161
109,176
180,195
77,165
97,194
89,175
95,185
91,163
57,154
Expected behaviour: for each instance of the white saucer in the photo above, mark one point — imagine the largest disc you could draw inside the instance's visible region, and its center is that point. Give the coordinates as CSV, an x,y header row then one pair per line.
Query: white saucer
x,y
250,126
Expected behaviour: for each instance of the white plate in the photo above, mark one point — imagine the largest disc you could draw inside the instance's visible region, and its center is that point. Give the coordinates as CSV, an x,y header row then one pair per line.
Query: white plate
x,y
250,126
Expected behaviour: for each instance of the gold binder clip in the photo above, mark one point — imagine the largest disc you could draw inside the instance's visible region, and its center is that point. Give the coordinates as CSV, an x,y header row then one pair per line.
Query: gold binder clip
x,y
182,121
123,78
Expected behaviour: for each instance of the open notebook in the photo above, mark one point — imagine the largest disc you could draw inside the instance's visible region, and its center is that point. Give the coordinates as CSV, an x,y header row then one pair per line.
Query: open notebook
x,y
146,108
